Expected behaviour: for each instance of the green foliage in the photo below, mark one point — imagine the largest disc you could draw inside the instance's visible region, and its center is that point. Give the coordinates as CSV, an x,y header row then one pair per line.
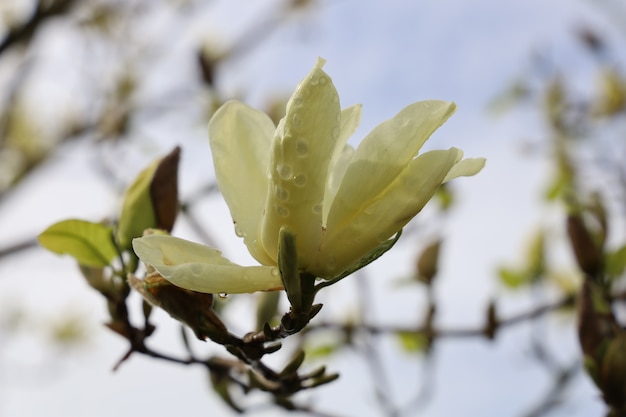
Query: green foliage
x,y
615,262
151,200
413,342
532,269
91,244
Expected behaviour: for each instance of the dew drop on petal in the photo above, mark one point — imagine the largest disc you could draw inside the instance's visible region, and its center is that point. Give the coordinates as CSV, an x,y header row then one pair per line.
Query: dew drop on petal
x,y
296,121
239,232
323,80
274,271
302,148
300,180
222,295
314,80
317,209
282,211
196,270
281,193
284,171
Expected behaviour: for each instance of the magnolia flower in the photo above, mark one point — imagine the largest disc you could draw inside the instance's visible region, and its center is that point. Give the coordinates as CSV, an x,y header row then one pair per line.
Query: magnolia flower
x,y
340,203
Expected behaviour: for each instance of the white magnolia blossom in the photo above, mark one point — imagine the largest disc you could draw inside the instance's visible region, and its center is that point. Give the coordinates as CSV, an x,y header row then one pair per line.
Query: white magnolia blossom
x,y
341,203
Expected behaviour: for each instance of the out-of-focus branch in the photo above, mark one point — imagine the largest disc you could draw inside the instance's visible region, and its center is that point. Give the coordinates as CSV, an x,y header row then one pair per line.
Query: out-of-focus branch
x,y
487,330
43,11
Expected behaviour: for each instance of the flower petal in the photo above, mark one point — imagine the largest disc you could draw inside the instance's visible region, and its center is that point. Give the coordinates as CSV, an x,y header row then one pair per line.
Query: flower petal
x,y
466,168
388,213
384,153
301,151
200,268
240,139
350,118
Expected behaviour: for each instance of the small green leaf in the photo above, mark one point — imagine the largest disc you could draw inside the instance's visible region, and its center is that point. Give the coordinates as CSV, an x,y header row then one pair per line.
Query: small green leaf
x,y
514,278
91,244
151,201
413,342
615,262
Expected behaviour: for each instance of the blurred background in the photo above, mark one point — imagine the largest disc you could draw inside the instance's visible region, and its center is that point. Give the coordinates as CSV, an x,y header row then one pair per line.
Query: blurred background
x,y
91,91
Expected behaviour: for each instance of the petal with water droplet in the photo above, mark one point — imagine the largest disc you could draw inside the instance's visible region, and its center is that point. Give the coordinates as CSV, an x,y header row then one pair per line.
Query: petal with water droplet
x,y
240,138
300,153
200,268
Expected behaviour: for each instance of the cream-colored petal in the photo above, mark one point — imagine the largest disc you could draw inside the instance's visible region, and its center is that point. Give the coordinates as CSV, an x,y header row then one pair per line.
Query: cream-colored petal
x,y
240,138
376,222
350,118
466,168
384,153
200,268
339,165
301,151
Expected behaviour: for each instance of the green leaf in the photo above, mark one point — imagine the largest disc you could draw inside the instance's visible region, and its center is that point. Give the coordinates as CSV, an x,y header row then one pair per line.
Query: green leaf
x,y
91,244
413,342
514,278
151,201
615,262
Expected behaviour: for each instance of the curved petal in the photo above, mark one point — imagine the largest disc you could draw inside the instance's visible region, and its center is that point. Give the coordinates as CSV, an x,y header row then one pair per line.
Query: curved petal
x,y
302,148
466,168
388,213
200,268
240,138
350,118
384,153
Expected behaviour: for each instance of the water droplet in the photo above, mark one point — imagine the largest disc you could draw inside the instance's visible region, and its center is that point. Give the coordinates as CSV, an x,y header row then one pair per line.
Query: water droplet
x,y
314,80
297,101
284,171
196,270
300,180
323,80
336,133
296,121
317,209
302,148
282,211
222,295
239,232
281,193
274,271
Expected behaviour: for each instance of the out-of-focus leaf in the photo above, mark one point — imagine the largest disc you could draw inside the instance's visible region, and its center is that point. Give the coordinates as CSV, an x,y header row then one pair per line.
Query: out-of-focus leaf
x,y
445,197
221,386
615,262
427,263
151,201
322,351
267,307
413,342
513,278
91,244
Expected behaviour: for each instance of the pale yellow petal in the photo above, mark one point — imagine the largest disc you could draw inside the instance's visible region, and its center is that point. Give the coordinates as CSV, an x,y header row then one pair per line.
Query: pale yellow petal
x,y
240,138
343,153
384,153
200,268
302,148
466,168
376,222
